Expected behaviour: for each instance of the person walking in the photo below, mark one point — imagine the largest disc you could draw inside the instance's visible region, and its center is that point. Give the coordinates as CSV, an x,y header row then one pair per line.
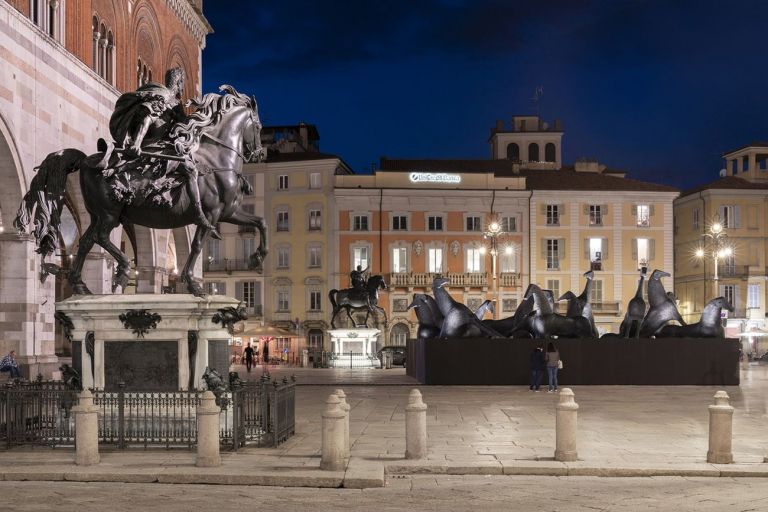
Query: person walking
x,y
537,367
553,364
248,353
266,352
9,364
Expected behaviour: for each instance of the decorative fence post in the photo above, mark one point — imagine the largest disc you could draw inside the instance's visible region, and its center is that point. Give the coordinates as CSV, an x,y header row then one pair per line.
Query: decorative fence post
x,y
86,430
332,451
415,426
344,407
720,430
208,432
565,426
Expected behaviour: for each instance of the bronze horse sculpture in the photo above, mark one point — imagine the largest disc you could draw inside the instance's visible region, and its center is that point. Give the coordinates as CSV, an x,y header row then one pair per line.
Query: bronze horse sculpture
x,y
222,126
351,298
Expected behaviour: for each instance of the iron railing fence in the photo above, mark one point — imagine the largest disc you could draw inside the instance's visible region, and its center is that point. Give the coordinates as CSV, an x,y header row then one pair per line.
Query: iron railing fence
x,y
353,360
37,413
258,413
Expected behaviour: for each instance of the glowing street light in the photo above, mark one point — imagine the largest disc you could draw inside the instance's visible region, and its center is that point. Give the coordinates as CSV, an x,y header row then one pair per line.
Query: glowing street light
x,y
492,234
715,245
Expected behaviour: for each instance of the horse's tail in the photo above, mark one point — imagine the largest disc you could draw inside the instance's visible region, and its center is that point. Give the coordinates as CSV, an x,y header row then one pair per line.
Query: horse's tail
x,y
45,198
332,297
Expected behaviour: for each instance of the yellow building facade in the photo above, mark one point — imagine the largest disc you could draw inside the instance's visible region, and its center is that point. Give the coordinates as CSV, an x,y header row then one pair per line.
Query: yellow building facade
x,y
736,205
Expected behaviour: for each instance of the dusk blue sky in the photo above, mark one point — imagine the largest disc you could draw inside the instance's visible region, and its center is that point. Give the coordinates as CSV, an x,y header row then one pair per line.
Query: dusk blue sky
x,y
658,88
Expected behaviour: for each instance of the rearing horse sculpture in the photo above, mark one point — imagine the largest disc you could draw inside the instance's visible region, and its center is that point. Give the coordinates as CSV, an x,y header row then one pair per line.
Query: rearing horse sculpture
x,y
221,123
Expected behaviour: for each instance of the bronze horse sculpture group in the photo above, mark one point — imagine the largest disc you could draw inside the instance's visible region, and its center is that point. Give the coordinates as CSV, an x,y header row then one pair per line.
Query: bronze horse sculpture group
x,y
226,132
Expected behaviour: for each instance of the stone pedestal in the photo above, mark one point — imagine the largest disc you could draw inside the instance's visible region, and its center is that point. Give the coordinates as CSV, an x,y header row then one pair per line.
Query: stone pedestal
x,y
332,452
565,426
720,430
208,432
171,356
86,430
353,347
415,427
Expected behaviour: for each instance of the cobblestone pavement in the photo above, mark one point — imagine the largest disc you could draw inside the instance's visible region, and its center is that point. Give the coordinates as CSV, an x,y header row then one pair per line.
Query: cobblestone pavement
x,y
474,424
444,493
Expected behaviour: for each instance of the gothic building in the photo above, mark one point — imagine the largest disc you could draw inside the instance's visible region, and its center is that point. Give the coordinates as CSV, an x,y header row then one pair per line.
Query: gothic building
x,y
63,64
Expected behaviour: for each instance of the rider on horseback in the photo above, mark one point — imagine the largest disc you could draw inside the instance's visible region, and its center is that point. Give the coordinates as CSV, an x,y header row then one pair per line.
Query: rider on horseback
x,y
358,279
145,117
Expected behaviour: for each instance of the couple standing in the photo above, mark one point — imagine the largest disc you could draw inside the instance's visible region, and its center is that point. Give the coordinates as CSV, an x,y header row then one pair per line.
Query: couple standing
x,y
541,360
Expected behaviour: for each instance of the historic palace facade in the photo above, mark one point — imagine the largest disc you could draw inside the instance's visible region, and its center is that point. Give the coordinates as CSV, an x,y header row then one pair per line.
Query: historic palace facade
x,y
63,64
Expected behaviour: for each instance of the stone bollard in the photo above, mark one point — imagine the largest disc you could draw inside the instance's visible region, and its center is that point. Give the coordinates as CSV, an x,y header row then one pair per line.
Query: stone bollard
x,y
332,452
86,430
415,426
208,432
344,407
720,430
565,426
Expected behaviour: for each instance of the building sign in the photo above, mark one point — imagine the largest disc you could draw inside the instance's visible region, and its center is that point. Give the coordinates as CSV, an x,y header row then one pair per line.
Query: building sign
x,y
431,177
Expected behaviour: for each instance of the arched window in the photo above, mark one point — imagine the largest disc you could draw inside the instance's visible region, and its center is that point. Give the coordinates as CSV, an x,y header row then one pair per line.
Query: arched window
x,y
550,154
399,333
513,152
95,46
138,73
103,51
110,76
533,152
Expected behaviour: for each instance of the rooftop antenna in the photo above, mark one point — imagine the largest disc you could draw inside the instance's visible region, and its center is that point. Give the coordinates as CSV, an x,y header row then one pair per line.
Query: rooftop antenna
x,y
537,94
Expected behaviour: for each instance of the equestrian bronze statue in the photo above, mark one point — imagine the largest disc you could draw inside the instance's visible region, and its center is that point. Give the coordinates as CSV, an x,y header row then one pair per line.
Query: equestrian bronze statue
x,y
164,170
363,295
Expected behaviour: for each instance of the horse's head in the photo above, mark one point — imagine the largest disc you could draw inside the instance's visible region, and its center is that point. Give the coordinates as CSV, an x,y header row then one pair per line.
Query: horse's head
x,y
439,282
589,274
721,303
569,295
418,300
658,274
377,283
254,151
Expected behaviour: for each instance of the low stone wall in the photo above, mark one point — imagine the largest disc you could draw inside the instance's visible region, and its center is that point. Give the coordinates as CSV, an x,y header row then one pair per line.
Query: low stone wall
x,y
649,362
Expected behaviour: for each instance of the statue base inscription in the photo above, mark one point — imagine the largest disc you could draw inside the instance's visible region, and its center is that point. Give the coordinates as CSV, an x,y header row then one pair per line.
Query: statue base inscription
x,y
141,365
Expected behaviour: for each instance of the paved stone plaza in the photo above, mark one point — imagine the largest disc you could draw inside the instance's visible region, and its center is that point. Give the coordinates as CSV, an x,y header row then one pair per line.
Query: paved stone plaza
x,y
478,438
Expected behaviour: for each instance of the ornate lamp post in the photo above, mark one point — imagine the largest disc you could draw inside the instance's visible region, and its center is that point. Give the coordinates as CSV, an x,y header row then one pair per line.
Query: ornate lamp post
x,y
492,234
714,244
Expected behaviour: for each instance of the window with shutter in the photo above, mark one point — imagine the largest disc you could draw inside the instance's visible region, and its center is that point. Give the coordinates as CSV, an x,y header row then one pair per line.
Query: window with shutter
x,y
553,215
643,212
595,255
552,253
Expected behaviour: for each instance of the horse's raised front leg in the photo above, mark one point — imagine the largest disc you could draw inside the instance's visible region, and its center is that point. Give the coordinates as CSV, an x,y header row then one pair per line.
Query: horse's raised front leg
x,y
242,218
194,251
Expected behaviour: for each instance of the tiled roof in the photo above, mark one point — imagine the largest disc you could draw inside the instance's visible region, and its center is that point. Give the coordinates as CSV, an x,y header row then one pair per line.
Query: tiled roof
x,y
726,183
305,156
536,179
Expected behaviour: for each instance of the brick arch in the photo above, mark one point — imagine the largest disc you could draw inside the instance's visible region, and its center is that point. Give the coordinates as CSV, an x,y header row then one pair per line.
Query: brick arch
x,y
13,179
146,36
177,55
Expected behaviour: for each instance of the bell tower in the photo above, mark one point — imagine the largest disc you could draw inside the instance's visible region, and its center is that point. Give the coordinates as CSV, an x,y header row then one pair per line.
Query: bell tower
x,y
529,141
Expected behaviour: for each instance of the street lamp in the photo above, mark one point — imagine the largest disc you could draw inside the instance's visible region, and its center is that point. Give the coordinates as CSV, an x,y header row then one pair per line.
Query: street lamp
x,y
714,244
492,234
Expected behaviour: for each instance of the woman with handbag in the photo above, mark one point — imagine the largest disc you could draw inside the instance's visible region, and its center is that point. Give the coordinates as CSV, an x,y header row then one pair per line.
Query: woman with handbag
x,y
553,364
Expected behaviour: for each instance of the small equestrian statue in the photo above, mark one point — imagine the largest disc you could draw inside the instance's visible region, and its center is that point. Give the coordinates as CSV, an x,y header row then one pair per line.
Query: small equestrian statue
x,y
364,294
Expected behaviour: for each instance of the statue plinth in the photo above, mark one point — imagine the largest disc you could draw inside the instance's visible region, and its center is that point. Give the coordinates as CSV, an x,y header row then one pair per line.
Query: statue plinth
x,y
353,346
150,342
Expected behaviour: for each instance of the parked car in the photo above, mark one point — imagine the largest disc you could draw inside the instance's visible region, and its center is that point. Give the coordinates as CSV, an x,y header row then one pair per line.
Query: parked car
x,y
398,355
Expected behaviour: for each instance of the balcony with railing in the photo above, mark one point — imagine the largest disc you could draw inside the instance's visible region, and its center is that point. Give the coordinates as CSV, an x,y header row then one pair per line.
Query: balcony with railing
x,y
606,308
227,265
424,279
510,280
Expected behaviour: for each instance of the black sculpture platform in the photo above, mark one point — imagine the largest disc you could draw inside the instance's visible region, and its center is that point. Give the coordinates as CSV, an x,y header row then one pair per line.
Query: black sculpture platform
x,y
643,362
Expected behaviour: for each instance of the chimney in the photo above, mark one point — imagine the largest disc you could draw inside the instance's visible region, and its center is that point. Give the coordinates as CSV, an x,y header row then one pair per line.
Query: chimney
x,y
558,125
304,135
